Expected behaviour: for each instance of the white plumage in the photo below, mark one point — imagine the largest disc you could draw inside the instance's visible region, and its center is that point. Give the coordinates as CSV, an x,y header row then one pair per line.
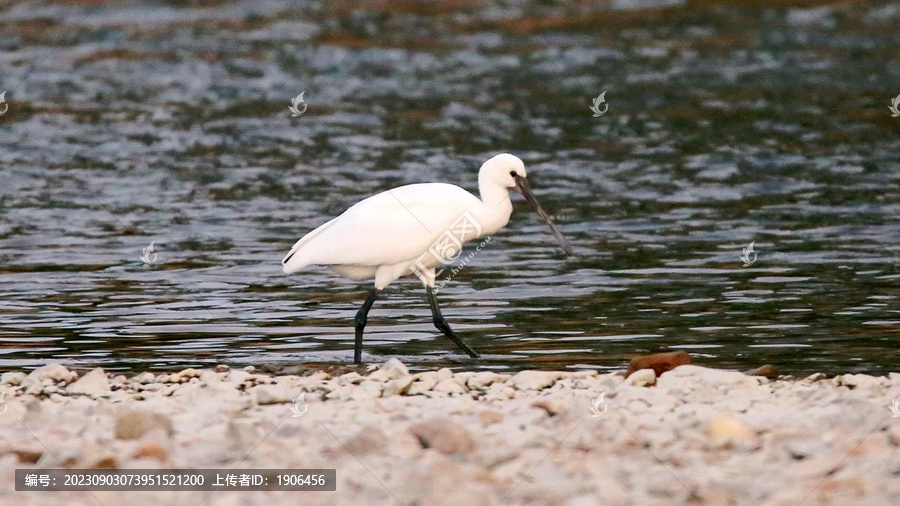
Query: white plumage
x,y
386,235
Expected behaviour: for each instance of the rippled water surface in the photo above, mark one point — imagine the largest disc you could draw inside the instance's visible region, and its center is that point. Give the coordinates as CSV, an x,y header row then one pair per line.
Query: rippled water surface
x,y
727,123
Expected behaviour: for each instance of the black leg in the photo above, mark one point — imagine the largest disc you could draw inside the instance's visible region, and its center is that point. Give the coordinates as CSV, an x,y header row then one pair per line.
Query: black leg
x,y
361,318
441,324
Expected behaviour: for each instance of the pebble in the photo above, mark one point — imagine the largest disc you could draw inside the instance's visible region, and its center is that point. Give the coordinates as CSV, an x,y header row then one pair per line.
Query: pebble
x,y
490,417
94,384
423,384
54,372
273,394
690,376
659,362
641,378
12,378
449,386
443,436
391,370
367,440
46,376
151,450
145,378
552,407
766,371
535,380
397,386
134,425
859,381
482,380
728,428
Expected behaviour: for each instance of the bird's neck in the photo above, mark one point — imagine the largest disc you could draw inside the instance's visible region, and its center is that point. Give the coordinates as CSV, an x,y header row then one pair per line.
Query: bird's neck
x,y
496,206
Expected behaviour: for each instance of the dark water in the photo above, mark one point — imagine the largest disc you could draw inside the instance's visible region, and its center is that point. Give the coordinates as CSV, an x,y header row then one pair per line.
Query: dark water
x,y
130,123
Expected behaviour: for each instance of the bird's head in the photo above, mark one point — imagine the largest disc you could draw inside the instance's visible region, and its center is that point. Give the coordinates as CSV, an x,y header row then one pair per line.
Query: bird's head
x,y
509,171
503,170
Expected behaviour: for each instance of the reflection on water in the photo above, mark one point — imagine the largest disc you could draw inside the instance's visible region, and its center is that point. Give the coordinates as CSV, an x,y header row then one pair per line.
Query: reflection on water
x,y
726,125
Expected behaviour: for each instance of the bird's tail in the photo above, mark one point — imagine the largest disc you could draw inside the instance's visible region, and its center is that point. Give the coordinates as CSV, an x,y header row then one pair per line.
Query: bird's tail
x,y
299,257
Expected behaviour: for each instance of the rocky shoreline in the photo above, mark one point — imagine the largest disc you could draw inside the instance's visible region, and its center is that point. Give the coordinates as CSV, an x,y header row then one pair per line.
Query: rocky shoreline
x,y
690,435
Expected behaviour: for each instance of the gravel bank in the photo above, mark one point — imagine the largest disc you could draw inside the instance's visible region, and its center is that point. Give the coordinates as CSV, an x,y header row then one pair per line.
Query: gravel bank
x,y
477,438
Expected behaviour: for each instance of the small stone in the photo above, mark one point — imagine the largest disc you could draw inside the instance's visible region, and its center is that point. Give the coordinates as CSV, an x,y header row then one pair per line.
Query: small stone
x,y
47,375
692,377
444,373
145,378
27,455
103,462
135,424
366,390
816,376
535,380
490,417
552,407
449,386
500,392
800,449
391,370
250,368
423,384
55,372
728,428
221,368
189,373
313,380
151,450
482,380
367,440
659,362
397,386
12,378
94,383
272,394
641,378
444,436
860,381
766,371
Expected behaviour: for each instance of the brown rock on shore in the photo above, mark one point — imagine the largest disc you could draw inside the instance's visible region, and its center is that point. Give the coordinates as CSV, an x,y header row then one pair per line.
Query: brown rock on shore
x,y
659,362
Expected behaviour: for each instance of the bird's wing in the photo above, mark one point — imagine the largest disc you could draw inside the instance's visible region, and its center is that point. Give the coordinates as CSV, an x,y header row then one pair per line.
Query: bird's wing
x,y
385,229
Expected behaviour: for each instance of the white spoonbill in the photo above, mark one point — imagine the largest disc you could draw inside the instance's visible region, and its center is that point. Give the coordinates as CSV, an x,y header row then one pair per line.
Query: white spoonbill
x,y
411,229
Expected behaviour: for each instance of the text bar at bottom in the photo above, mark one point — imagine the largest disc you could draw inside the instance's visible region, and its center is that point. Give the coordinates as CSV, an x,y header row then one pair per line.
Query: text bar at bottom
x,y
36,480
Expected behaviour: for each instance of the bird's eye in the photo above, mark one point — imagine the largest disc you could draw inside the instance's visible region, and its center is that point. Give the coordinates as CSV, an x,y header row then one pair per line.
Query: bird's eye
x,y
513,173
